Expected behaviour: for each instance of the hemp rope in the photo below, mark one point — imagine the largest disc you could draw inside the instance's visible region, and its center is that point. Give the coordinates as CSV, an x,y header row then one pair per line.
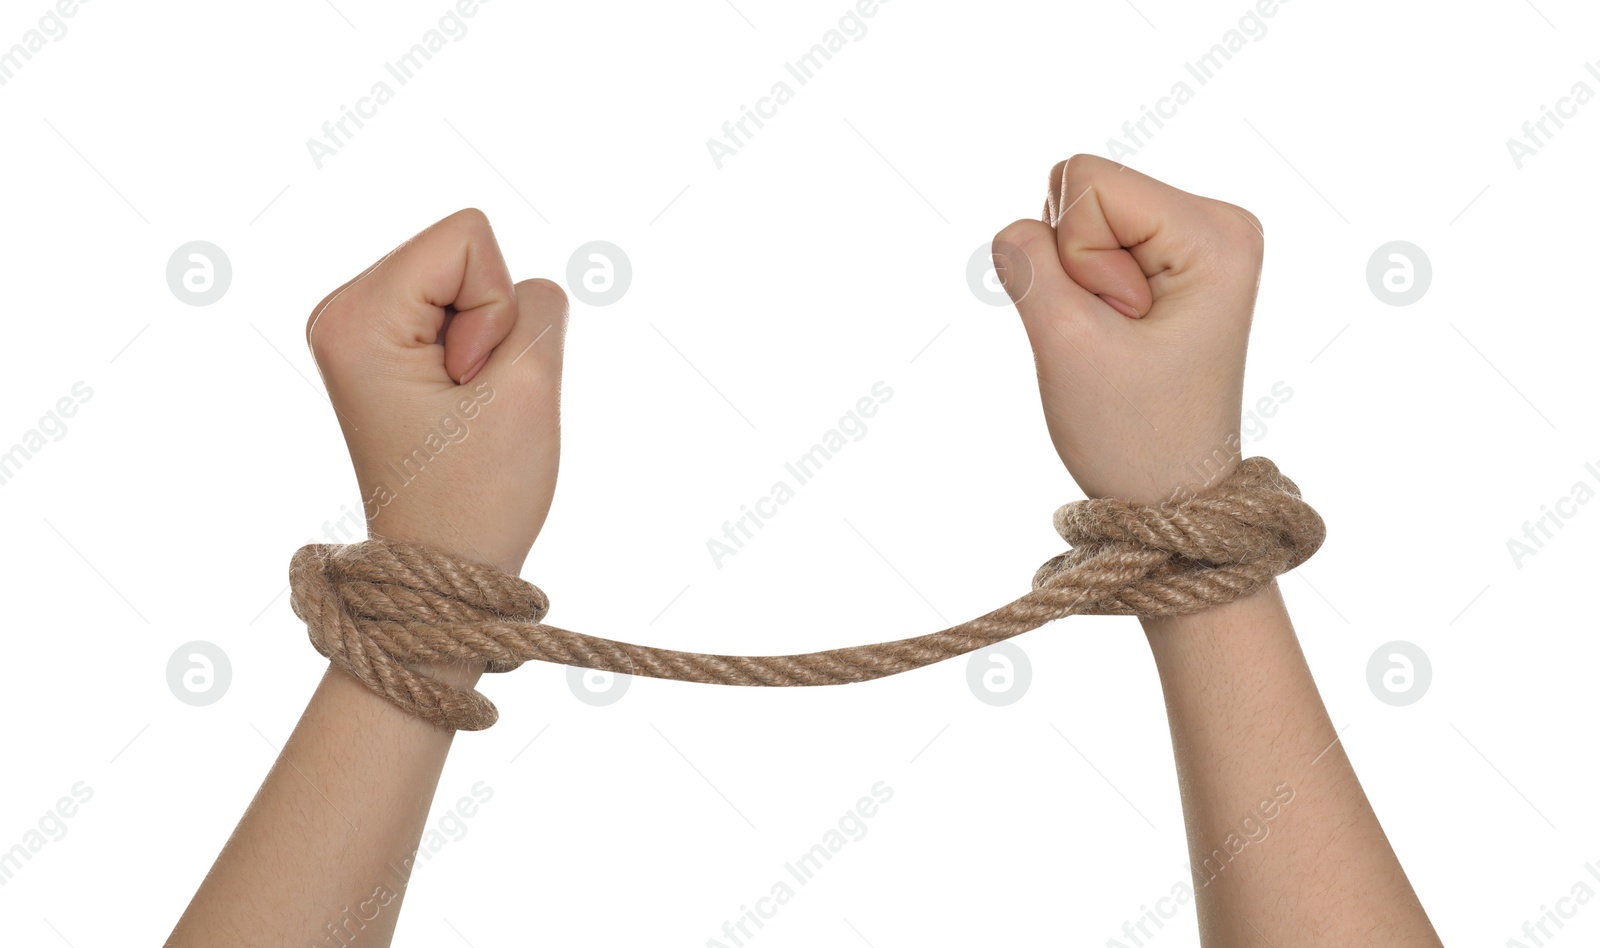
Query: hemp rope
x,y
378,606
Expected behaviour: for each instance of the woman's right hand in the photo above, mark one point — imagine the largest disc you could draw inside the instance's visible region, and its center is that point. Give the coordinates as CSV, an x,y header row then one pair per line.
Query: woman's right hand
x,y
1137,299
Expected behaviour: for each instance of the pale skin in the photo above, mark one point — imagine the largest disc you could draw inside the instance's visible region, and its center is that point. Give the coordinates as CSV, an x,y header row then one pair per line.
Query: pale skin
x,y
1137,299
328,836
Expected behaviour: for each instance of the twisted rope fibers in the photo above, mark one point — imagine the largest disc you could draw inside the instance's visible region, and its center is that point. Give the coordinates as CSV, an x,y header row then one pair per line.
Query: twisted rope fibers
x,y
378,606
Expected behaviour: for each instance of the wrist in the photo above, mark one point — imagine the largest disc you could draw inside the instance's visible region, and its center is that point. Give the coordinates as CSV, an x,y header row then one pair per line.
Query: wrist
x,y
1221,632
1202,465
462,675
447,538
1204,471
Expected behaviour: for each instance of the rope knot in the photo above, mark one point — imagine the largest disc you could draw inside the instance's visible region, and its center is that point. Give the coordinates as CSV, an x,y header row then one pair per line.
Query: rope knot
x,y
377,607
1180,557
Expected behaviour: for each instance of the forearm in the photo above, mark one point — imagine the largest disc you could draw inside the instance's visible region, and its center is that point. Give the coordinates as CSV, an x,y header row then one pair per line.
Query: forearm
x,y
1284,845
324,852
323,855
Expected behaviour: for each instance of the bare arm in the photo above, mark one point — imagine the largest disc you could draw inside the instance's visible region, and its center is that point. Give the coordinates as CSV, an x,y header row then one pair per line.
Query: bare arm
x,y
445,380
325,851
1284,847
1137,298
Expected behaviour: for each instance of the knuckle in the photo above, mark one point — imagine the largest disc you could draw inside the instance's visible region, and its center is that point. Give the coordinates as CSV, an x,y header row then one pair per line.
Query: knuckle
x,y
471,216
1084,166
465,223
545,296
1017,235
328,330
1058,173
1237,229
545,289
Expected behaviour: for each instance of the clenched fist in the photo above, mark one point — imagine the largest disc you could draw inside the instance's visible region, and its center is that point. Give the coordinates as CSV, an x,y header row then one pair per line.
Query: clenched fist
x,y
1137,299
446,380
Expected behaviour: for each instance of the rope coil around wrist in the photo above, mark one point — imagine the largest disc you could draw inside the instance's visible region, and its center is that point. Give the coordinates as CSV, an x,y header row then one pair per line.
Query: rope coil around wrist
x,y
378,606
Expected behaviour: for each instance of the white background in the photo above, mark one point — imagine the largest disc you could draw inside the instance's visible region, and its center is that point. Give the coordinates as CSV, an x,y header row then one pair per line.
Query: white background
x,y
767,297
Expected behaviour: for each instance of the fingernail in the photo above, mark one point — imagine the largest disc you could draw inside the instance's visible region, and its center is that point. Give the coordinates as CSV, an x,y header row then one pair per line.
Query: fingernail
x,y
474,370
1117,305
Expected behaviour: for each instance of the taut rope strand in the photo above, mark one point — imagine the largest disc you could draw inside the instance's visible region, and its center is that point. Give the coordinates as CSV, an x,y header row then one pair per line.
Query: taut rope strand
x,y
377,606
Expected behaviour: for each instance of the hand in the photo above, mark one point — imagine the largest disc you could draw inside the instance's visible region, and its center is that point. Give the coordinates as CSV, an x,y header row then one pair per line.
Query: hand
x,y
446,381
1137,299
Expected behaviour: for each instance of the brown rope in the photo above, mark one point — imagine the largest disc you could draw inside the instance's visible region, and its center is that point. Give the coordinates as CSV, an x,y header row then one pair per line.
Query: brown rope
x,y
378,606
